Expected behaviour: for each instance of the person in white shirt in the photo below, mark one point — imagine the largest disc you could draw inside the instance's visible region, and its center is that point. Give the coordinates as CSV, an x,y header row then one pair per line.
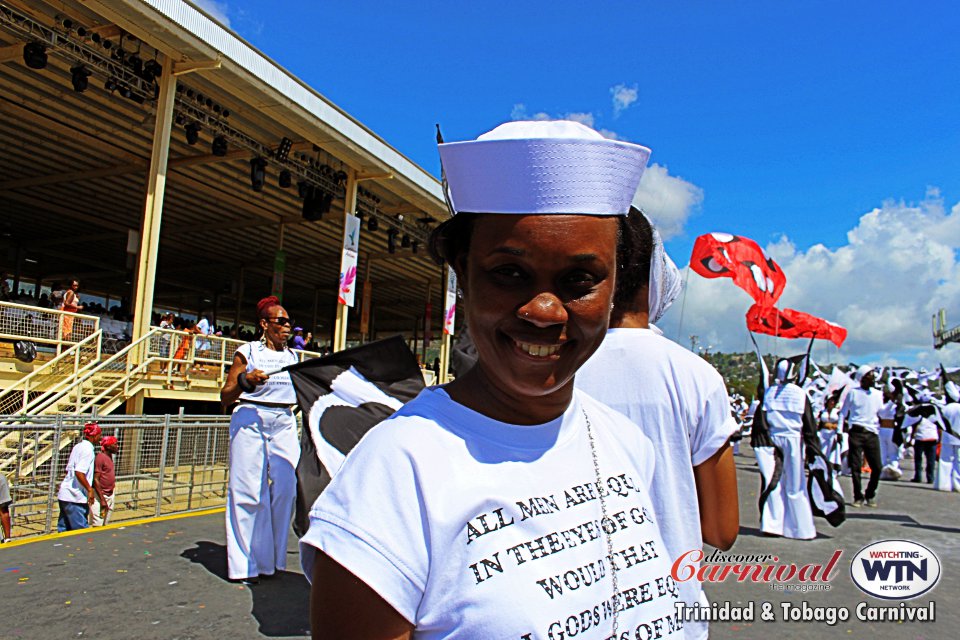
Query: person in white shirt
x,y
861,424
76,493
830,440
264,449
507,504
679,401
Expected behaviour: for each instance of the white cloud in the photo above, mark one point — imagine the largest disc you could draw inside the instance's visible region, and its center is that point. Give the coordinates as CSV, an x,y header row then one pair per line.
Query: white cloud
x,y
216,9
623,97
898,267
582,118
667,200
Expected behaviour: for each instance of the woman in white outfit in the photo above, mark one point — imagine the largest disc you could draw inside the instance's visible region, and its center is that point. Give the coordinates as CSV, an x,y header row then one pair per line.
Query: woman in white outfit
x,y
264,449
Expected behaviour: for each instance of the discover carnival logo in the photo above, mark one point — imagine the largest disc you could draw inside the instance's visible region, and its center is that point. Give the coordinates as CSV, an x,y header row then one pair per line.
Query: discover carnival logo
x,y
895,569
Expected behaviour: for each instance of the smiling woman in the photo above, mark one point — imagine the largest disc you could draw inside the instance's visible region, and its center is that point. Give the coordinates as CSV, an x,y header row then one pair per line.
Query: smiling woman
x,y
506,504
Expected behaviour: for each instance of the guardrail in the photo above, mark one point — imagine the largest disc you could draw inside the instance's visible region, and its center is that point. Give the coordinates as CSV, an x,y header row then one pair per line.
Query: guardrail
x,y
166,464
45,326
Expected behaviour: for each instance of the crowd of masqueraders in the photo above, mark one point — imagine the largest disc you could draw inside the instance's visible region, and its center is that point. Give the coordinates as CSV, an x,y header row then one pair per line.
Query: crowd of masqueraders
x,y
561,480
853,421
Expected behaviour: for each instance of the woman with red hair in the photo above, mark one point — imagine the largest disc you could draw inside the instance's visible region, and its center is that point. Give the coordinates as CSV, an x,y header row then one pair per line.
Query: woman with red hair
x,y
264,449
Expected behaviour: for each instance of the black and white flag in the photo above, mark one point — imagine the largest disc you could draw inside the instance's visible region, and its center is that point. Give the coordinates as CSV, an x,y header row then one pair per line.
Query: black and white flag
x,y
342,396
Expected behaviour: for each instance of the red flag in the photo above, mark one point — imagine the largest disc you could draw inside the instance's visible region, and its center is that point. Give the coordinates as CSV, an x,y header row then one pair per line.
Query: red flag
x,y
789,323
722,255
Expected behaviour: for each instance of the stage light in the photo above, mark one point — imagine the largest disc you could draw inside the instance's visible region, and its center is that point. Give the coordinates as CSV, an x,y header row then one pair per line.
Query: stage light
x,y
107,44
80,78
226,113
258,174
35,55
178,120
415,246
316,204
285,179
283,149
392,240
192,131
110,85
405,241
303,188
373,224
219,146
153,70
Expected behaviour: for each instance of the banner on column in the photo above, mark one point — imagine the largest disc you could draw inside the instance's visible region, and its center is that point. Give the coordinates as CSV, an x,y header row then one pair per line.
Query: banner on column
x,y
450,304
348,262
365,306
279,266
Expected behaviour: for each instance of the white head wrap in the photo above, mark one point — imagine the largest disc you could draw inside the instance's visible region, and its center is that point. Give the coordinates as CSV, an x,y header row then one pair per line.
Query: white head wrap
x,y
665,280
863,370
783,370
537,167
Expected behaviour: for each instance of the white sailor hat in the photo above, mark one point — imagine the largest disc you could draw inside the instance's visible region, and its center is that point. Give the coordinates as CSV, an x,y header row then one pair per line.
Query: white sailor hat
x,y
538,167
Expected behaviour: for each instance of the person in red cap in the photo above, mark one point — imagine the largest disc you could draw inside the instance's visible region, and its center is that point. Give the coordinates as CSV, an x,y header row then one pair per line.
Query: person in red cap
x,y
76,495
104,481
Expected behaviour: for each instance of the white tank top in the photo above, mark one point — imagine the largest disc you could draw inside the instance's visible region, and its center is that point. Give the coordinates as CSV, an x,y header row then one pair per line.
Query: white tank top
x,y
278,388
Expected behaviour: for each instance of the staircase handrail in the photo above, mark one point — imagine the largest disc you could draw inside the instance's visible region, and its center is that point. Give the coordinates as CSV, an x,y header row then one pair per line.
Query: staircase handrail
x,y
73,352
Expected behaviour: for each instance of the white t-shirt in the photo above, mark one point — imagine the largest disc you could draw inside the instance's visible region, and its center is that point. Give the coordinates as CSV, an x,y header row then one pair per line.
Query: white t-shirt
x,y
784,405
473,528
860,406
81,459
888,411
278,388
829,416
680,402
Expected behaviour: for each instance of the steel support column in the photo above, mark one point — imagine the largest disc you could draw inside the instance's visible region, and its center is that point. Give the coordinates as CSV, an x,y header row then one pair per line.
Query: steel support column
x,y
152,213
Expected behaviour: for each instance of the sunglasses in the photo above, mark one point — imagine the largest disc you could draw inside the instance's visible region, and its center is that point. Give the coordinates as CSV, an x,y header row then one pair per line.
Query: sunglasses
x,y
283,322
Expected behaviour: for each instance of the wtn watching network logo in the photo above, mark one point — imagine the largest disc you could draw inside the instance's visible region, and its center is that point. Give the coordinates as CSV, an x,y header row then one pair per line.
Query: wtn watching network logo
x,y
895,569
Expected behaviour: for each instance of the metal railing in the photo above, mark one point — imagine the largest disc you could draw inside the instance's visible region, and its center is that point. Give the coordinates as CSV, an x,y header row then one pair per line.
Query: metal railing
x,y
53,327
166,464
47,379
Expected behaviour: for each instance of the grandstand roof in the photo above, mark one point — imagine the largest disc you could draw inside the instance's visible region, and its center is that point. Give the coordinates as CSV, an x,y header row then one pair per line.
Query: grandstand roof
x,y
73,171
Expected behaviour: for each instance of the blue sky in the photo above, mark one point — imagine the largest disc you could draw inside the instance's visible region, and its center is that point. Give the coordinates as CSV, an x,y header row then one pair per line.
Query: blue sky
x,y
787,122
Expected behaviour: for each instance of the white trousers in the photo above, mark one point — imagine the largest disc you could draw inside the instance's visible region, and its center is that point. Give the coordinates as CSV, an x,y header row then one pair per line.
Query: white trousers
x,y
889,454
95,512
948,468
264,450
787,511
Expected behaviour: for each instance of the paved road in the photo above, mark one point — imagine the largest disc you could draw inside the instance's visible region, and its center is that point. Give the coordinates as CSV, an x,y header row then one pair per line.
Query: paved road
x,y
167,580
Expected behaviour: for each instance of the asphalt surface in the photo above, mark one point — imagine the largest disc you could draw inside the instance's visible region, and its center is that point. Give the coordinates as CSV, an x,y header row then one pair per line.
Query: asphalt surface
x,y
167,579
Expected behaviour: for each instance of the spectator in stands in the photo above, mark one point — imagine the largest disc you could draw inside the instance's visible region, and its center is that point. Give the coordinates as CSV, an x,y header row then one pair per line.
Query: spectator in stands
x,y
76,495
71,303
104,481
5,502
43,301
4,288
202,328
298,342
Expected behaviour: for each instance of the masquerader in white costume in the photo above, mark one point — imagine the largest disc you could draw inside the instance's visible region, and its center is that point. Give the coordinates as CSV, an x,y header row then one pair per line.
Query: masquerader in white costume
x,y
948,467
788,416
264,449
679,401
890,435
474,512
830,440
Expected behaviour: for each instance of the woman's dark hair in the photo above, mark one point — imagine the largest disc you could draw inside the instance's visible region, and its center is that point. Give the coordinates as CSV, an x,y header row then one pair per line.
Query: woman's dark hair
x,y
451,239
634,251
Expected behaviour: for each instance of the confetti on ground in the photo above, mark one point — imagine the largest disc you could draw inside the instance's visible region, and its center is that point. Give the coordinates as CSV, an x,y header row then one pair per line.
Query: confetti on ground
x,y
59,544
68,602
12,569
121,570
23,579
174,582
